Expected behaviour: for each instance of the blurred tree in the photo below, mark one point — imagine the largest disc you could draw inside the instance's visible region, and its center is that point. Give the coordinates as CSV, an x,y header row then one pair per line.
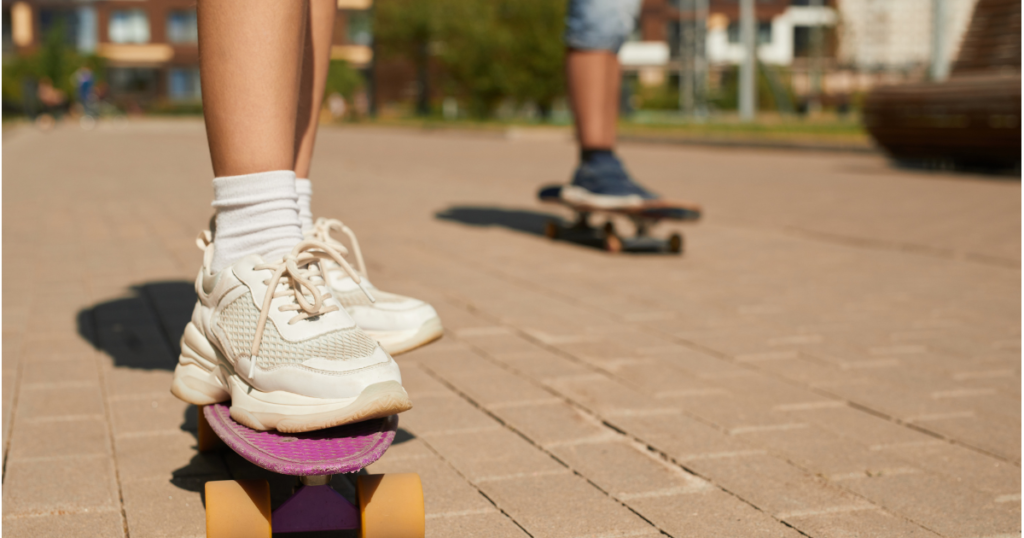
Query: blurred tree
x,y
55,60
405,29
486,51
537,51
343,80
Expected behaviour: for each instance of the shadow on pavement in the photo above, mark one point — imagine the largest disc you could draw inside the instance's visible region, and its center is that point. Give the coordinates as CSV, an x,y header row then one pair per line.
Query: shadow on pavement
x,y
520,220
142,330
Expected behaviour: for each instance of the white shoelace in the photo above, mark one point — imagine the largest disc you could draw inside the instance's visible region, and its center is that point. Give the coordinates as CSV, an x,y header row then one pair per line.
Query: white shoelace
x,y
322,232
301,272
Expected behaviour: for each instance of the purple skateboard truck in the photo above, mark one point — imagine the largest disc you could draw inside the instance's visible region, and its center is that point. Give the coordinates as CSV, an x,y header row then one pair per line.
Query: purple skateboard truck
x,y
388,505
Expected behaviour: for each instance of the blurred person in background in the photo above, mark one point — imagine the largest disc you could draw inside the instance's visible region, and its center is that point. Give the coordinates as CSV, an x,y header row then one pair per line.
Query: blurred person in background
x,y
595,31
285,326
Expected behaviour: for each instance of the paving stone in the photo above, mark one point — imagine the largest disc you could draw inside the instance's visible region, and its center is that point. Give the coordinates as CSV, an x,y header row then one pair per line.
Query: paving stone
x,y
442,414
541,364
962,465
550,422
940,505
158,507
444,491
626,470
682,437
130,381
492,454
606,396
473,525
48,439
162,454
858,523
708,513
38,373
776,486
59,484
867,429
993,436
827,454
149,412
564,505
81,525
60,402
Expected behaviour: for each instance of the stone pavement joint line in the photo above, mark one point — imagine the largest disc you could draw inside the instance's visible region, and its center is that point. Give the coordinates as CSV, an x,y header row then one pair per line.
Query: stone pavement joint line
x,y
837,353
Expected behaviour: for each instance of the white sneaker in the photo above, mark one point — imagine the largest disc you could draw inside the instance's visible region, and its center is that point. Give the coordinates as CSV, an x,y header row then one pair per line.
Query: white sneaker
x,y
290,360
399,323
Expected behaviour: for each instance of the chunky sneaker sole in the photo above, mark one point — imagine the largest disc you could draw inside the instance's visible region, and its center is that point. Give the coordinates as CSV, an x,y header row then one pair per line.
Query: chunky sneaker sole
x,y
580,196
203,376
398,342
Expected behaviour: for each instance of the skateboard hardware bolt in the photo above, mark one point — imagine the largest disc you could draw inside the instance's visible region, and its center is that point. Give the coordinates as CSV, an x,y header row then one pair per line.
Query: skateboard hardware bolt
x,y
316,480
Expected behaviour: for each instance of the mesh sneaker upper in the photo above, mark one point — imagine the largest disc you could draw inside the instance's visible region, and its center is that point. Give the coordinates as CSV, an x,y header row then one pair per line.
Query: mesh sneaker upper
x,y
239,319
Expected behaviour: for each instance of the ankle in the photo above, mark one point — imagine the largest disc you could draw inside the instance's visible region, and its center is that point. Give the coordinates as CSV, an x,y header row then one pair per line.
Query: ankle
x,y
256,214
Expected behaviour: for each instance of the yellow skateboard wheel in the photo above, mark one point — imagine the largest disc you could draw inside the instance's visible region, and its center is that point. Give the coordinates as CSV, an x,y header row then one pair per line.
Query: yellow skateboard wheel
x,y
238,509
391,506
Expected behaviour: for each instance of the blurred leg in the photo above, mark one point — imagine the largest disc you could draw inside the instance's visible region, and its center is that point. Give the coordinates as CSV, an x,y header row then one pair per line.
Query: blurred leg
x,y
250,53
316,61
593,80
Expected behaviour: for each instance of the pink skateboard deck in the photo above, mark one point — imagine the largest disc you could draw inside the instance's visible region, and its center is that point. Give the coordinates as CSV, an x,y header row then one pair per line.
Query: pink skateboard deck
x,y
338,450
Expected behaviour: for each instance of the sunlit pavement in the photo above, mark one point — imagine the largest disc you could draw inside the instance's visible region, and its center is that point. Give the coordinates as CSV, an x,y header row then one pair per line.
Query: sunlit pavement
x,y
837,353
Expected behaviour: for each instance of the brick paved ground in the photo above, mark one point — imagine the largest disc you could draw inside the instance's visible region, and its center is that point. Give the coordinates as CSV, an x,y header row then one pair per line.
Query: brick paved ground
x,y
838,353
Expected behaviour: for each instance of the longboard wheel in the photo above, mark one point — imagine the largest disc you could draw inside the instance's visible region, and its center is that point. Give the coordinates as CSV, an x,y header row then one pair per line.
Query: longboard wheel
x,y
551,229
675,244
391,506
612,243
207,440
238,509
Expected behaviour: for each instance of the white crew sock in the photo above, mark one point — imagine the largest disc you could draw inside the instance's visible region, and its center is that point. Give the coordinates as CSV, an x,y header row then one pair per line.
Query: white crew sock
x,y
304,188
256,214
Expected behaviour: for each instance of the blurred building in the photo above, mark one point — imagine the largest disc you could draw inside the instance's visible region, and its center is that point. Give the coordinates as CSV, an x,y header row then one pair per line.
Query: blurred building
x,y
864,42
151,46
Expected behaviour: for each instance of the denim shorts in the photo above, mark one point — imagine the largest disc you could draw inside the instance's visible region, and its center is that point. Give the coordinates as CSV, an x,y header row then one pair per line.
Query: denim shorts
x,y
600,24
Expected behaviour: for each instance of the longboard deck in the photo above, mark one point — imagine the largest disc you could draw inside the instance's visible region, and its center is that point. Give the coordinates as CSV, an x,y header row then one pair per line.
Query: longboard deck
x,y
337,450
657,209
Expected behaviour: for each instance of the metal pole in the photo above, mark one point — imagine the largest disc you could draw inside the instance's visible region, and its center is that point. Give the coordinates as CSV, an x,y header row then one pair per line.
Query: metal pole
x,y
748,36
939,68
700,61
814,100
686,82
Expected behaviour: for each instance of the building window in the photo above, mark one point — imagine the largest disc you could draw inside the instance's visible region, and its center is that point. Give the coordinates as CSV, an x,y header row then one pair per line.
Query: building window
x,y
183,84
360,28
132,80
764,32
181,26
8,34
64,21
128,26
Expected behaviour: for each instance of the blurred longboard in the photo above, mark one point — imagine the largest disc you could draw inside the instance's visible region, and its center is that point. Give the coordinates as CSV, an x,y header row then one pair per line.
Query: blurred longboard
x,y
644,218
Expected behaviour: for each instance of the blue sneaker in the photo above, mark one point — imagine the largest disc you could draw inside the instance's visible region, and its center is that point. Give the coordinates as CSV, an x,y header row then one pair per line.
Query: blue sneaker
x,y
602,181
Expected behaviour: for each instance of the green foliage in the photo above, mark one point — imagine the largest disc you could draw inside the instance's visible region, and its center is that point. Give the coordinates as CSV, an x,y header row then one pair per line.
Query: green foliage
x,y
342,79
727,95
484,51
54,60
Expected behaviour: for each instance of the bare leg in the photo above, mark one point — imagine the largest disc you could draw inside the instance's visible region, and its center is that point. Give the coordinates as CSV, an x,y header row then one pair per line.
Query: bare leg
x,y
250,54
316,61
593,77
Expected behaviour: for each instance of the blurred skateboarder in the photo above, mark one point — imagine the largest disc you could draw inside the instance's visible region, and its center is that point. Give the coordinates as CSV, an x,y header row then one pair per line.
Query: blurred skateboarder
x,y
595,31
